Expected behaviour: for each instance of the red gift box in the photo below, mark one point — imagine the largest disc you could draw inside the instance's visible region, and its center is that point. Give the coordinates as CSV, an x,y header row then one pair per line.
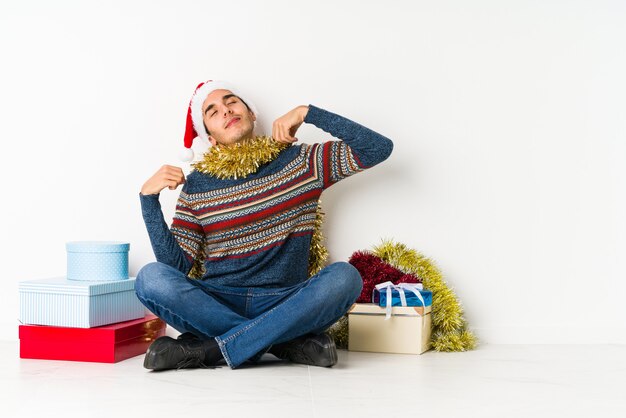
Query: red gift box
x,y
106,344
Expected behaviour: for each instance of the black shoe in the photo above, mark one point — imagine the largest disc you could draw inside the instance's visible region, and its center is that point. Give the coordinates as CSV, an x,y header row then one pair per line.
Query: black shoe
x,y
167,353
314,350
187,336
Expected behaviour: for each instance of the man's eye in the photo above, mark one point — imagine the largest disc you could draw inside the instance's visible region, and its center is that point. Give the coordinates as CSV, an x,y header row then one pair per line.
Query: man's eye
x,y
213,113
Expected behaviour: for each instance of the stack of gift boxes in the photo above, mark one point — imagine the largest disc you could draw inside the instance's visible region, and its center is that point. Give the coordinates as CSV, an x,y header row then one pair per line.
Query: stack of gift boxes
x,y
397,321
92,314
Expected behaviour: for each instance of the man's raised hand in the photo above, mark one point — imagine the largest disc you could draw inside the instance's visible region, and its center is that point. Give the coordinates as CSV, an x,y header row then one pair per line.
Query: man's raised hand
x,y
284,128
167,176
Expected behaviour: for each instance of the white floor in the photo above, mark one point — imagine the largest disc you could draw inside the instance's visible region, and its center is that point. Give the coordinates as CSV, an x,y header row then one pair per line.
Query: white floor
x,y
492,381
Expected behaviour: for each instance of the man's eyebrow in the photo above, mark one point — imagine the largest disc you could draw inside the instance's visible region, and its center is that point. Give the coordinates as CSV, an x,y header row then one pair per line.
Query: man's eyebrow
x,y
226,97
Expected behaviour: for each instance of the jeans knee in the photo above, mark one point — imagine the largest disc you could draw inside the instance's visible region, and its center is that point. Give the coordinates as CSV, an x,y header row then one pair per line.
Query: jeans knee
x,y
348,279
147,282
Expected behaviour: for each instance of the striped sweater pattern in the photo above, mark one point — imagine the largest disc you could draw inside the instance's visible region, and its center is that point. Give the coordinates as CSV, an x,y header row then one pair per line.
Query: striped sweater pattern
x,y
251,217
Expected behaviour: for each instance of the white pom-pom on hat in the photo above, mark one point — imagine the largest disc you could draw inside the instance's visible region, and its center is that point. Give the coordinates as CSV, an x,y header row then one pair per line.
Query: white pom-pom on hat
x,y
186,155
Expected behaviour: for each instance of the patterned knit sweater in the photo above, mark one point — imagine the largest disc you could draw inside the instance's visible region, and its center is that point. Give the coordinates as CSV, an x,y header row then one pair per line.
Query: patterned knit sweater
x,y
257,231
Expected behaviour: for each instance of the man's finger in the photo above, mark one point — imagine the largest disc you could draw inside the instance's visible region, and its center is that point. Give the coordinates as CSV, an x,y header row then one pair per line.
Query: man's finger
x,y
288,137
176,174
285,133
174,170
172,177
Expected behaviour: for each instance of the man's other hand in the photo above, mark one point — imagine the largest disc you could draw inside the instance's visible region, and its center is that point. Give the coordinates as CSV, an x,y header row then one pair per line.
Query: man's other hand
x,y
284,128
167,176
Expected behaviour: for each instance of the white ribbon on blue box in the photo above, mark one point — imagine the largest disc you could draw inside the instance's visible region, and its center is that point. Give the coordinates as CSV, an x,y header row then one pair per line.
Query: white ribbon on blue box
x,y
400,289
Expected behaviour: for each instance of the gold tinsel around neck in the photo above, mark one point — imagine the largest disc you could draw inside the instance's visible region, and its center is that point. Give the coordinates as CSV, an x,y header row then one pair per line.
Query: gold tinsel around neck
x,y
240,159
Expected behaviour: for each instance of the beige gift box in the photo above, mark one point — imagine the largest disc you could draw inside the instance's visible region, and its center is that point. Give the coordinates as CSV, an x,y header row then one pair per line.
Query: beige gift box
x,y
406,332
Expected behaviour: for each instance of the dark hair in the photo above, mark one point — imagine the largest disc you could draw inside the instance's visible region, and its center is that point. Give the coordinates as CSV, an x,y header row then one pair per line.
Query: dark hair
x,y
242,100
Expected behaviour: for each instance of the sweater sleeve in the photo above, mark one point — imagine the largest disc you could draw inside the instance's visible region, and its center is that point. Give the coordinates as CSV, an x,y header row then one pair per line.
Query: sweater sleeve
x,y
359,148
175,246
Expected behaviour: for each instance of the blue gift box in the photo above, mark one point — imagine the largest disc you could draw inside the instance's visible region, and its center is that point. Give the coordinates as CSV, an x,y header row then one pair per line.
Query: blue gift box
x,y
97,260
380,297
81,304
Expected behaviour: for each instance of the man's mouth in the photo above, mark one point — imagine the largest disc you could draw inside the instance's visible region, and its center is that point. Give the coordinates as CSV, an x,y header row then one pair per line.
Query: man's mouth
x,y
232,122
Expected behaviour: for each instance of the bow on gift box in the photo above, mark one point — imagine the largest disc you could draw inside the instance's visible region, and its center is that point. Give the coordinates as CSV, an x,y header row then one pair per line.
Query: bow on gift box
x,y
400,287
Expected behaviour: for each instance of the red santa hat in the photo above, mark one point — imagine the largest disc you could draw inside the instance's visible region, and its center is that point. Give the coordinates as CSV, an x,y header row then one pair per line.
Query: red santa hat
x,y
195,125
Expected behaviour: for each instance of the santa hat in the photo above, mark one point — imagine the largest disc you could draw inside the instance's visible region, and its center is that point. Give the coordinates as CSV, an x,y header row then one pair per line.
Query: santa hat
x,y
195,125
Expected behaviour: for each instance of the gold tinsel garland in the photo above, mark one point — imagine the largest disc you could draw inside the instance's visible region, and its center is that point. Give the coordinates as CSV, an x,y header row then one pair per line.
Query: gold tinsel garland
x,y
318,253
450,331
239,161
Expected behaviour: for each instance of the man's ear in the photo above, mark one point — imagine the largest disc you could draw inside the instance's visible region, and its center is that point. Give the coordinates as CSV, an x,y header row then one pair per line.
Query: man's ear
x,y
212,141
253,115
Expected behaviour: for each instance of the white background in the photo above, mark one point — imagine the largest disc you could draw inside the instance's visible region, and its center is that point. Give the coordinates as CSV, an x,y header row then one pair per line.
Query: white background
x,y
508,119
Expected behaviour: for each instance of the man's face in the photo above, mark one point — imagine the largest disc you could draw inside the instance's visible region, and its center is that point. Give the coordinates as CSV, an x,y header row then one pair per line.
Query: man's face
x,y
227,118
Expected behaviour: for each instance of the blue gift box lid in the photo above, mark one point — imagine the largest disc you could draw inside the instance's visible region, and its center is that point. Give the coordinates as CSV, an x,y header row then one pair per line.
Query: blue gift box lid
x,y
61,285
380,298
97,247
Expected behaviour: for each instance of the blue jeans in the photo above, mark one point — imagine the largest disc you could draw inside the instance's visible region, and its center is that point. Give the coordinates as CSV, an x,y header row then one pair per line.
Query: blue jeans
x,y
246,321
